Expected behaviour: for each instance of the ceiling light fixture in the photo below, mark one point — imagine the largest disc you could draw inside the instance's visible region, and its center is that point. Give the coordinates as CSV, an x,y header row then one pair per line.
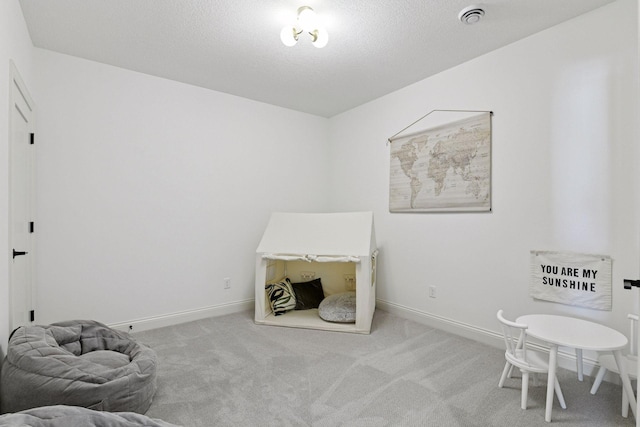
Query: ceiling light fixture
x,y
470,15
307,22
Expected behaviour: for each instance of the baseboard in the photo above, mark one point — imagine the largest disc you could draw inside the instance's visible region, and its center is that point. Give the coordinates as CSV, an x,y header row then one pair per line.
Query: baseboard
x,y
566,357
170,319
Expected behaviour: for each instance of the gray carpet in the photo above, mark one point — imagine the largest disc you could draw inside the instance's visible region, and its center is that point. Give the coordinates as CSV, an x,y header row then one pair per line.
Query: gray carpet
x,y
227,371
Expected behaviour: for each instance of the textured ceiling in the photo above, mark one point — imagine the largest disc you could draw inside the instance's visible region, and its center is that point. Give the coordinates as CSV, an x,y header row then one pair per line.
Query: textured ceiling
x,y
233,46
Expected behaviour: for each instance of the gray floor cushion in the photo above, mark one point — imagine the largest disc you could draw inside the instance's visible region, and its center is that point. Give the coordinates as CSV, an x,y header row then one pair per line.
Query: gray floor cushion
x,y
340,308
77,363
73,416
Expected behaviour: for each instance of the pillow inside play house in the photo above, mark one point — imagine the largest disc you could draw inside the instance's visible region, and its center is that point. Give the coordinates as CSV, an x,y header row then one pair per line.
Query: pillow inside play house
x,y
308,294
281,296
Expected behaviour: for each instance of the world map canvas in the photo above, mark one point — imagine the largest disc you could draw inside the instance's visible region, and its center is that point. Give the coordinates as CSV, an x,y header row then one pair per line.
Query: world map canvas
x,y
443,168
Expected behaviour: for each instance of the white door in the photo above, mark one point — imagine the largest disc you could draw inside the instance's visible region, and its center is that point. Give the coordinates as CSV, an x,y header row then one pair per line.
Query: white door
x,y
21,202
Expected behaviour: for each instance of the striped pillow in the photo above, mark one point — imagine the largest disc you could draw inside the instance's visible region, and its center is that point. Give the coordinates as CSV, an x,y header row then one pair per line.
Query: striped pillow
x,y
281,297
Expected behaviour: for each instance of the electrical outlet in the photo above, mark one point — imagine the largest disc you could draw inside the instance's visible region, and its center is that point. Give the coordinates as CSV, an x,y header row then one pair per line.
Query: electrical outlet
x,y
307,275
350,281
227,283
432,291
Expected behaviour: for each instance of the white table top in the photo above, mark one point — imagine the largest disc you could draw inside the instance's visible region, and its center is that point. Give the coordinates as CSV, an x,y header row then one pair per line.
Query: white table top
x,y
572,332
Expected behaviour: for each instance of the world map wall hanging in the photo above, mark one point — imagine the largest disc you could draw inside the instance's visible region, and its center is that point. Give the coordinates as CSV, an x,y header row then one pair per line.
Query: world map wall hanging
x,y
445,167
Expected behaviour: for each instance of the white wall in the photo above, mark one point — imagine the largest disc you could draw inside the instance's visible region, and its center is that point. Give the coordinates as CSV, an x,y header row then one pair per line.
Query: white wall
x,y
15,44
150,192
565,173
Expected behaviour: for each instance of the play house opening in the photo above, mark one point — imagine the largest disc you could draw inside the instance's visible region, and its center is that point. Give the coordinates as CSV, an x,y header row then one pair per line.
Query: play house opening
x,y
327,262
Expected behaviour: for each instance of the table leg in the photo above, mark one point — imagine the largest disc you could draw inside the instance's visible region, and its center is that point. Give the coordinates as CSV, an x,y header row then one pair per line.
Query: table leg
x,y
626,383
579,364
553,359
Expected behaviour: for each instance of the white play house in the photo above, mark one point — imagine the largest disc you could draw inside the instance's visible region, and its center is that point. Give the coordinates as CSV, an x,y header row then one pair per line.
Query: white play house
x,y
339,249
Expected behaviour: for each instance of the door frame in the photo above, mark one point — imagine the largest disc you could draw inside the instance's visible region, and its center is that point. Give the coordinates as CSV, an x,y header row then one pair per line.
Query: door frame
x,y
19,89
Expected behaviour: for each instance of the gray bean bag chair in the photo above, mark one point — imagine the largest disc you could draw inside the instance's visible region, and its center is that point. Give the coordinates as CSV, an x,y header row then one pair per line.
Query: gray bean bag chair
x,y
73,416
76,363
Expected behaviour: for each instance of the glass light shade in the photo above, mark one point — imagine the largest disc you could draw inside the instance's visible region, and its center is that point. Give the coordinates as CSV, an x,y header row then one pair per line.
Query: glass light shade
x,y
307,19
288,36
321,38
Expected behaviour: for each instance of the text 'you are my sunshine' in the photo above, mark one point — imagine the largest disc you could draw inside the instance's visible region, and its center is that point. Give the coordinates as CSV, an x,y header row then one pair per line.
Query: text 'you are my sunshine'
x,y
572,278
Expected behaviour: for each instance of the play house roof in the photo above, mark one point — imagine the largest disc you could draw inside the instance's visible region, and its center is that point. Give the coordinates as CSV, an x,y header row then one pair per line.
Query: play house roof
x,y
331,234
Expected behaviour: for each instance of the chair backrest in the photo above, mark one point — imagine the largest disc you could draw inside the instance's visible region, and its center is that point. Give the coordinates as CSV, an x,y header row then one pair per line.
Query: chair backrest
x,y
515,339
633,334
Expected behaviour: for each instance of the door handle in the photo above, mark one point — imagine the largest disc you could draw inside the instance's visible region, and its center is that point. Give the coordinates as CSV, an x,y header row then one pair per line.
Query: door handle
x,y
18,253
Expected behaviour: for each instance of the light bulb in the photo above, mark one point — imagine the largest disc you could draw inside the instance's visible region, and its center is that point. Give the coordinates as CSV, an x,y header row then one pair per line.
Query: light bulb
x,y
289,36
320,37
307,18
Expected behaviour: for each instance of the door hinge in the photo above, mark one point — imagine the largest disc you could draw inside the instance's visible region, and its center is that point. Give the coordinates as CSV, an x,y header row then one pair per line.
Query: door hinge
x,y
33,138
32,315
31,227
628,283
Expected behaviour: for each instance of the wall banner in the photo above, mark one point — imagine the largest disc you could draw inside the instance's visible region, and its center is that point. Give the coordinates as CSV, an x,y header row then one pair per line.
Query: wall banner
x,y
570,278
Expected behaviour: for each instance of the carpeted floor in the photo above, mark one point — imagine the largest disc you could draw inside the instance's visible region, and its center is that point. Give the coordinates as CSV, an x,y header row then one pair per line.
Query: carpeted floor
x,y
227,371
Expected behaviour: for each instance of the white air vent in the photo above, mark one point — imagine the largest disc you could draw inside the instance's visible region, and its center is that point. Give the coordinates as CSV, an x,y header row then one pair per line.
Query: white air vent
x,y
470,15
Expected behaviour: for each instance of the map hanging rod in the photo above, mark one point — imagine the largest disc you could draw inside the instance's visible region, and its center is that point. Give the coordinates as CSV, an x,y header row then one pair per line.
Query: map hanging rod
x,y
390,139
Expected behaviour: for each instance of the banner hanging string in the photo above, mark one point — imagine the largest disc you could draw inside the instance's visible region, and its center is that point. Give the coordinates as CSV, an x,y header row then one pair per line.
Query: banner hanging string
x,y
390,139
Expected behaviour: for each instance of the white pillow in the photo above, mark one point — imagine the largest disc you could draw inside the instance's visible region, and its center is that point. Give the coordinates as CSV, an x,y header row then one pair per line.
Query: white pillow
x,y
281,296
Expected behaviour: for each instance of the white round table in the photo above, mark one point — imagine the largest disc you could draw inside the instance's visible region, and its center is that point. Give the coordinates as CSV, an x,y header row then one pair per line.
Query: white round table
x,y
564,331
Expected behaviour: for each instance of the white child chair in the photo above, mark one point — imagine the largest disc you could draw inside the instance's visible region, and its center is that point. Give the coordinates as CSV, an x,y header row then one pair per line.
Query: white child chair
x,y
528,361
608,363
